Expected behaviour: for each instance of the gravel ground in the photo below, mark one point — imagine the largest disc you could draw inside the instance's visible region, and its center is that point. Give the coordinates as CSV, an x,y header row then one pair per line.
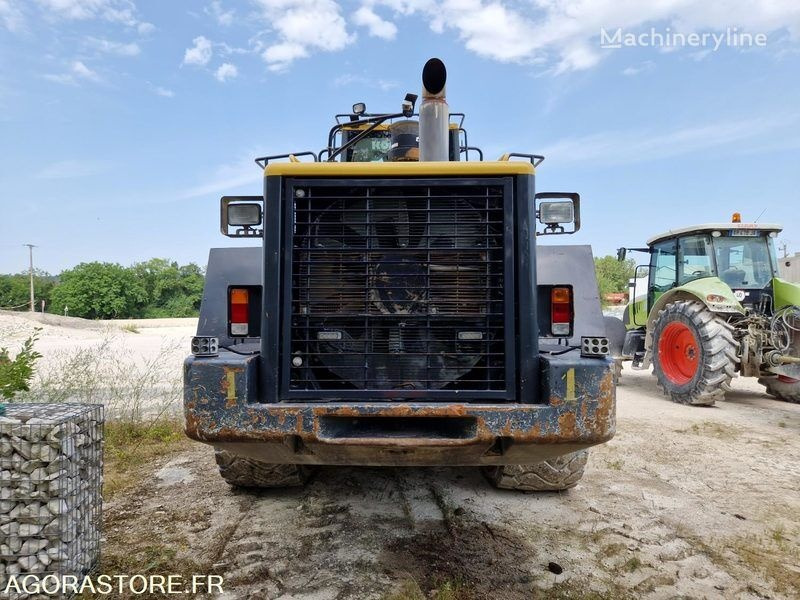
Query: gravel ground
x,y
684,502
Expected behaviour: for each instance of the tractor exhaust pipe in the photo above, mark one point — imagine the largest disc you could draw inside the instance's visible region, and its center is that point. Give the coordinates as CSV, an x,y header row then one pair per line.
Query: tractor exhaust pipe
x,y
434,114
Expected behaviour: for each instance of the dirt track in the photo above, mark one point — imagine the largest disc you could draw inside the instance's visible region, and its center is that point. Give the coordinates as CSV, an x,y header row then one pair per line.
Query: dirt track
x,y
684,502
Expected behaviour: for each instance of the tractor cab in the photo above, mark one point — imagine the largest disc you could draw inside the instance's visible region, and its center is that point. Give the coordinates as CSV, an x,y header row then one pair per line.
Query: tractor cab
x,y
739,255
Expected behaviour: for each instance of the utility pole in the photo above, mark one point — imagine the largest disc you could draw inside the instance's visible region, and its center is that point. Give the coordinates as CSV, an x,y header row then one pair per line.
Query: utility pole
x,y
30,251
784,248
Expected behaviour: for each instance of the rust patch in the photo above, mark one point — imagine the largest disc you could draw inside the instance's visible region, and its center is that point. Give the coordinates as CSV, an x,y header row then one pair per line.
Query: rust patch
x,y
567,426
604,414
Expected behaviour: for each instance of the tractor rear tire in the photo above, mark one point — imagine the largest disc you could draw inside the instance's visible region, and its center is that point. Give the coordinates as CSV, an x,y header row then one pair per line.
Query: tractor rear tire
x,y
694,353
553,475
782,388
244,472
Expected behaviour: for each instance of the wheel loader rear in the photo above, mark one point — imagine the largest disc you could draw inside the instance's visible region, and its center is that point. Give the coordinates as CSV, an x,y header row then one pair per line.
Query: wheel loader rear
x,y
393,314
709,306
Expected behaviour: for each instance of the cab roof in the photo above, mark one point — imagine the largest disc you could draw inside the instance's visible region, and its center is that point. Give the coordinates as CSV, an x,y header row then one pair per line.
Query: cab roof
x,y
708,227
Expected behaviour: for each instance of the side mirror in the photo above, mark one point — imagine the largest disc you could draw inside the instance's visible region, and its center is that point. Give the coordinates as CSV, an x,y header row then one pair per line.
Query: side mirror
x,y
560,209
621,254
241,216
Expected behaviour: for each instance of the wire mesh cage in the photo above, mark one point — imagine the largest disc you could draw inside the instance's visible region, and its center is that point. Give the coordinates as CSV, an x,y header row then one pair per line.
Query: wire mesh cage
x,y
51,475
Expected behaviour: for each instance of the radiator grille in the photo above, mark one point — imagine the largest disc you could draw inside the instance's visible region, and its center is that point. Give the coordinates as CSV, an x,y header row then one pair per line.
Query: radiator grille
x,y
397,288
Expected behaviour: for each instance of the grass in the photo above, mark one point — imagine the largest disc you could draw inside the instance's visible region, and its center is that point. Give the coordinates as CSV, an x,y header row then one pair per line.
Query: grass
x,y
712,429
130,328
132,388
448,589
130,446
632,564
778,535
755,554
140,396
615,464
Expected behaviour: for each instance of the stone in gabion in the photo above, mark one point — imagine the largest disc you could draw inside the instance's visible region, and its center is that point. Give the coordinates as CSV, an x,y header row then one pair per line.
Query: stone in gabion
x,y
51,474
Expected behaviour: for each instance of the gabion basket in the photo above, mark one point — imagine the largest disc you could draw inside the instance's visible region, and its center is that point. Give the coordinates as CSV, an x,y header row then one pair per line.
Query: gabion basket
x,y
51,476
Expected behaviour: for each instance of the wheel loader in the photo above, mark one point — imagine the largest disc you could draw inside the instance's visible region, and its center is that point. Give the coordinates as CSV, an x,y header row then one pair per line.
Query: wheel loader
x,y
397,311
708,306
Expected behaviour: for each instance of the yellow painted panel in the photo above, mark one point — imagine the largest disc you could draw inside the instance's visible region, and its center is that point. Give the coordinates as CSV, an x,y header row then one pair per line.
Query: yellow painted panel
x,y
570,385
398,169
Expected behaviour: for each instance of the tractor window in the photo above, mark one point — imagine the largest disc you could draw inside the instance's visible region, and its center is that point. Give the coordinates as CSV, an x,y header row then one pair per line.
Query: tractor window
x,y
662,266
743,262
694,258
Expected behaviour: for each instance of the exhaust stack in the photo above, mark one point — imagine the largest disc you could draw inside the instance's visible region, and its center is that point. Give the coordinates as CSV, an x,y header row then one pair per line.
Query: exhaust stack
x,y
434,114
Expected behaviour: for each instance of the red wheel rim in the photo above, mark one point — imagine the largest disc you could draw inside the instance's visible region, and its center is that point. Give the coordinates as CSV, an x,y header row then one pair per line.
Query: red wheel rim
x,y
678,353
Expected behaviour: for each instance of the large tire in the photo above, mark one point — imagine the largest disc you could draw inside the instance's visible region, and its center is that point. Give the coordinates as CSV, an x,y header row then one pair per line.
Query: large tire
x,y
244,472
555,474
694,353
782,388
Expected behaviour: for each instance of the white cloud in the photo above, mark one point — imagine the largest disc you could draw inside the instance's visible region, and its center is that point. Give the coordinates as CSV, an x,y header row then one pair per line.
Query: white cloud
x,y
301,26
111,47
229,178
626,147
145,28
115,11
11,16
563,34
81,71
62,78
200,53
78,71
647,65
72,168
350,79
222,16
160,91
226,71
366,17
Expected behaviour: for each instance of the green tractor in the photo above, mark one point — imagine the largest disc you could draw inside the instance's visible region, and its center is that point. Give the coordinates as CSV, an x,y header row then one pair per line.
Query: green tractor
x,y
709,305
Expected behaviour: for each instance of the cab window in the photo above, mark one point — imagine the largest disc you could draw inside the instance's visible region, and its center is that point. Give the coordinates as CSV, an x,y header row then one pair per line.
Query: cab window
x,y
663,266
694,258
744,262
373,148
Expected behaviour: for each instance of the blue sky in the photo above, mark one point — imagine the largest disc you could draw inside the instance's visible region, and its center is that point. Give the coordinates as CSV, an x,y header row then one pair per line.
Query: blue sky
x,y
122,123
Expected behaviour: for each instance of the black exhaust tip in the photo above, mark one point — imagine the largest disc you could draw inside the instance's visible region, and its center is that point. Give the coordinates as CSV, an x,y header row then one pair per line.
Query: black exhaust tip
x,y
434,75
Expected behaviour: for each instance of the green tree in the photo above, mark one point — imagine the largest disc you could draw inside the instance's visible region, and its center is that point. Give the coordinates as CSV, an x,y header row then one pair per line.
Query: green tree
x,y
172,290
15,289
98,290
613,275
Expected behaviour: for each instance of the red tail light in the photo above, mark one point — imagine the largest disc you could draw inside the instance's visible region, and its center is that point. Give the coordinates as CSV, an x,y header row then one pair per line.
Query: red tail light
x,y
560,310
240,311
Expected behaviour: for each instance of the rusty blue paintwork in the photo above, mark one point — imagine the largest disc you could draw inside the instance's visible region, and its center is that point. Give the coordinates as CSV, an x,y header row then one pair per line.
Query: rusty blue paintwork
x,y
222,409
